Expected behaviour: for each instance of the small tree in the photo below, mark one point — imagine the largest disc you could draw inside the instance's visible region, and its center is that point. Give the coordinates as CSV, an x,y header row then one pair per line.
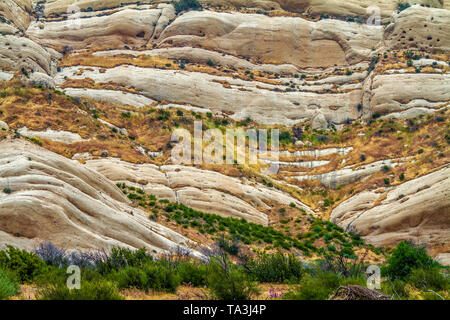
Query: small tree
x,y
405,258
227,281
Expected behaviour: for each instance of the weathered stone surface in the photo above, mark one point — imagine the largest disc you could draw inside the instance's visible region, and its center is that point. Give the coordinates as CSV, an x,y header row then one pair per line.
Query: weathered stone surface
x,y
42,79
16,11
111,96
59,200
199,89
199,55
349,174
54,135
422,28
399,92
125,27
418,211
275,40
3,125
18,52
203,190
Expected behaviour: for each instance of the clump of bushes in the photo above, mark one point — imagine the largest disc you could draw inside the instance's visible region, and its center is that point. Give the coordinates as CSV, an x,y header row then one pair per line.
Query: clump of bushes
x,y
228,281
8,286
402,6
184,5
276,268
98,290
25,265
156,275
405,258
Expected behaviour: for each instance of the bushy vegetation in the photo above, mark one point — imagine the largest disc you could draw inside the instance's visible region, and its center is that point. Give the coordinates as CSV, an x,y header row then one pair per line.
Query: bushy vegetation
x,y
321,286
409,273
8,286
228,281
276,268
156,275
402,6
405,258
230,232
183,5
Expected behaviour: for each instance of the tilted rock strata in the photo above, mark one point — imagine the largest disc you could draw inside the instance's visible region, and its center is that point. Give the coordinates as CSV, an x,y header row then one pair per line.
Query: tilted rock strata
x,y
59,200
419,28
203,190
202,90
16,11
275,39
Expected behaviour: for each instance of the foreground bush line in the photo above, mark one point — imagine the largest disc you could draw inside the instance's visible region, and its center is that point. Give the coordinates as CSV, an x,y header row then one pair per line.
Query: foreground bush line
x,y
409,273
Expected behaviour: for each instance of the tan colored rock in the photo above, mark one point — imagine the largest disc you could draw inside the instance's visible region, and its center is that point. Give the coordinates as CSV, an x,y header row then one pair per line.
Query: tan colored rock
x,y
419,28
388,93
54,135
417,211
4,125
59,200
17,11
203,190
111,96
349,174
199,55
203,90
39,78
61,6
125,27
18,52
275,39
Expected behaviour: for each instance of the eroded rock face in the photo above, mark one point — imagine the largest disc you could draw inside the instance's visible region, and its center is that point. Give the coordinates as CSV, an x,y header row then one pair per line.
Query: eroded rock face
x,y
417,211
203,190
133,27
399,92
17,52
419,28
55,199
203,90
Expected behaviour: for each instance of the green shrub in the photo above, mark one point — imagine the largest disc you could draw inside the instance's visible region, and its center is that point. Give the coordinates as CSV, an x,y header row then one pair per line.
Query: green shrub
x,y
396,289
227,281
402,6
315,288
194,273
157,276
276,268
131,277
405,258
122,257
102,290
24,264
8,286
427,279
